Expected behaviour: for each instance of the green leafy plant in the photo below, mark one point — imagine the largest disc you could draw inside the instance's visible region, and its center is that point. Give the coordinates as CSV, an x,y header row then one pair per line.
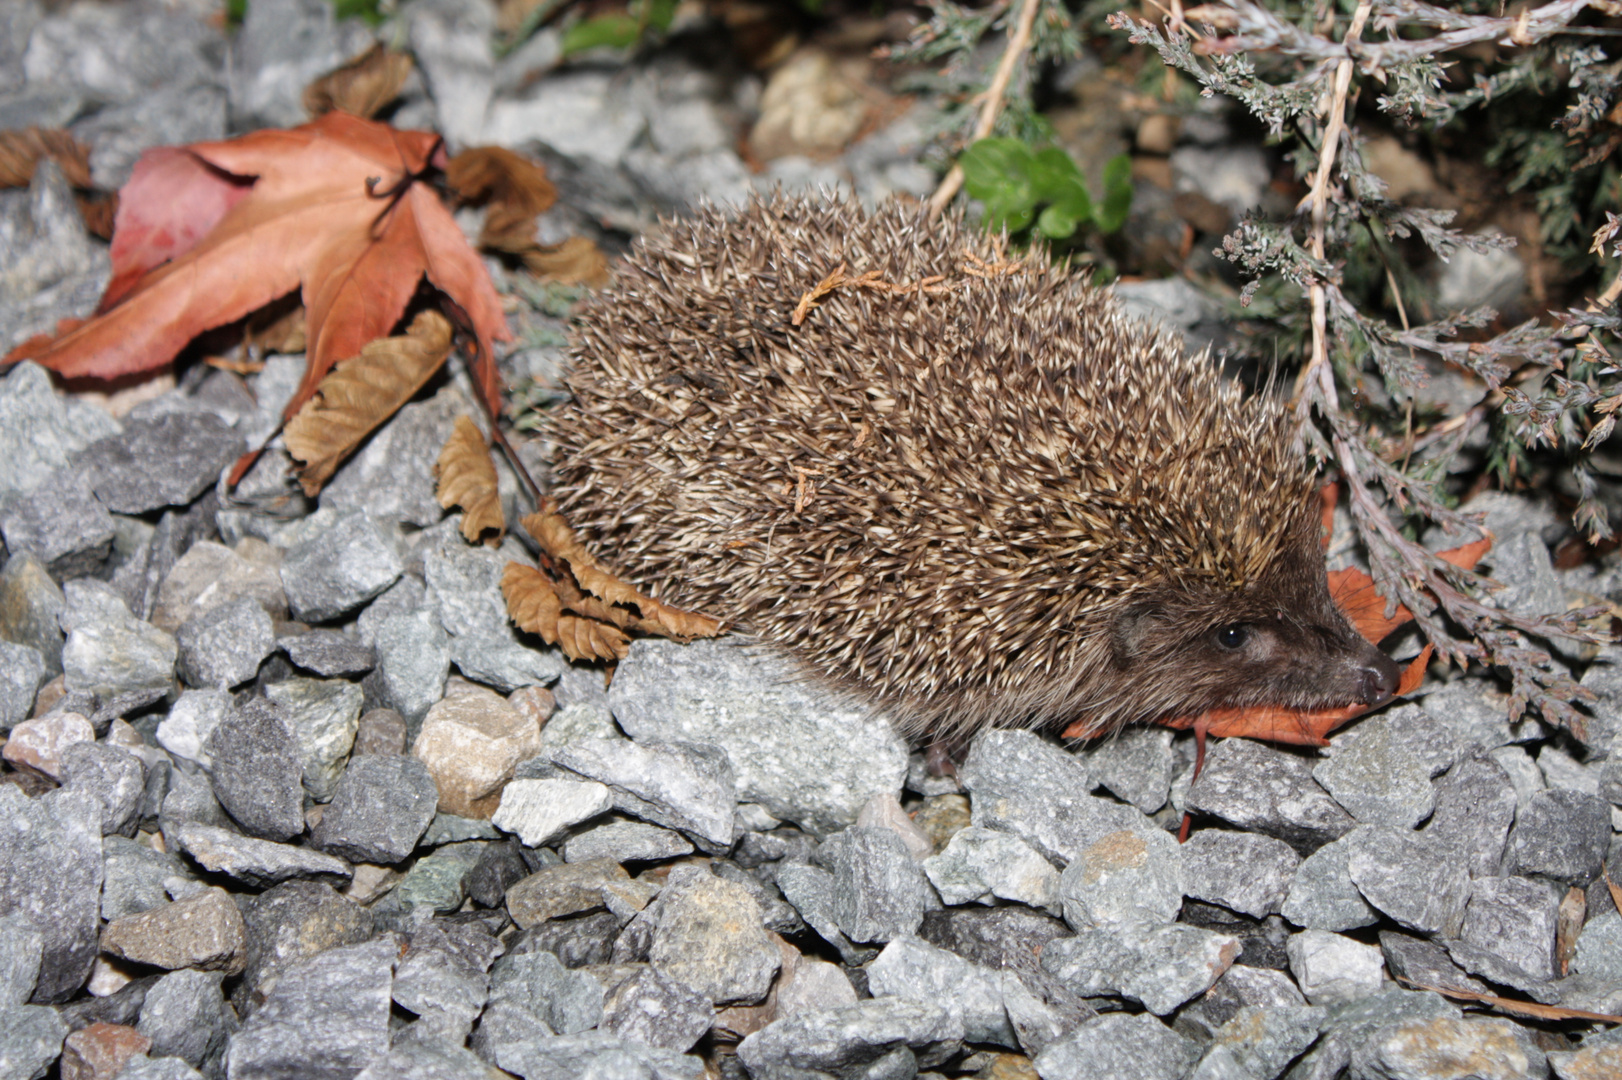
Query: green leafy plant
x,y
1019,186
620,29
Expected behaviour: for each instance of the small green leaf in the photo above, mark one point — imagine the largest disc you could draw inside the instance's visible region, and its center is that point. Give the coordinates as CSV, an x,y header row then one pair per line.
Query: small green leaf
x,y
618,30
1053,174
1111,215
660,14
993,163
1057,222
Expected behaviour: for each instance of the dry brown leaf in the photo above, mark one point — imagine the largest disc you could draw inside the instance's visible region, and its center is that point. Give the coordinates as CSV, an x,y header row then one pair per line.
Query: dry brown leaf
x,y
98,210
20,151
553,533
1514,1007
1615,890
514,187
361,393
467,478
362,86
285,333
534,605
514,190
576,261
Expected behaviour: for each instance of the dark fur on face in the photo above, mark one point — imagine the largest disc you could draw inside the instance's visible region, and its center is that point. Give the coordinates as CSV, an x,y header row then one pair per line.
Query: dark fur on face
x,y
1279,641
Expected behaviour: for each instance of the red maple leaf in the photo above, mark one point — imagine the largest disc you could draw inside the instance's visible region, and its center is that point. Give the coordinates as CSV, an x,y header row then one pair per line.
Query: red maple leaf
x,y
337,208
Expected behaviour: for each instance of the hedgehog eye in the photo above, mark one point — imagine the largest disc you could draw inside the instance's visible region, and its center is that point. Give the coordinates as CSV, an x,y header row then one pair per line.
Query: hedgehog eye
x,y
1232,637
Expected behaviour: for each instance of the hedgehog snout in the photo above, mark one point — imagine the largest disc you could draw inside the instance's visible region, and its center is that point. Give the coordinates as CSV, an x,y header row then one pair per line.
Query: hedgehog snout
x,y
1377,679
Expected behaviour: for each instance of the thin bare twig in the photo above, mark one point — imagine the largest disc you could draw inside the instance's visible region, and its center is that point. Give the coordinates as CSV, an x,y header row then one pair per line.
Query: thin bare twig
x,y
1018,42
1318,364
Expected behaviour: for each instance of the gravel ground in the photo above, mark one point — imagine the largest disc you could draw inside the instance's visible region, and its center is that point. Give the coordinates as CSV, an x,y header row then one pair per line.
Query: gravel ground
x,y
285,795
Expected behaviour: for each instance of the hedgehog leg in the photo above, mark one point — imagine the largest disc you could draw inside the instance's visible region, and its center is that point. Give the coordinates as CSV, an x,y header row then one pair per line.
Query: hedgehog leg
x,y
940,757
1201,726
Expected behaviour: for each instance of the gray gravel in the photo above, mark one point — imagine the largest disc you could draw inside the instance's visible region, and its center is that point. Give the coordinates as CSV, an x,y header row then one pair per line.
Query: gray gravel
x,y
320,810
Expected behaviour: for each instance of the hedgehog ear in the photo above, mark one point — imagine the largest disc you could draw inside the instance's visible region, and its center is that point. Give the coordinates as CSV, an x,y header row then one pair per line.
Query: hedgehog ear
x,y
1129,630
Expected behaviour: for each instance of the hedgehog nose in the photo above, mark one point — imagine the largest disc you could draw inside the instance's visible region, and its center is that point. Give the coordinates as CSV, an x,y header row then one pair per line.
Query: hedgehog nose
x,y
1377,679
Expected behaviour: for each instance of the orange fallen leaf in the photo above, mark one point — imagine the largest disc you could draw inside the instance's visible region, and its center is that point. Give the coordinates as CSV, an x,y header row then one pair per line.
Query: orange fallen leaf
x,y
1354,592
337,208
467,478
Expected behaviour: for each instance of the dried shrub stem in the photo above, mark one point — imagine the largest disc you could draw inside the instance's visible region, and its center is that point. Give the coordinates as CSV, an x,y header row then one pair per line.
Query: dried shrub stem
x,y
1018,42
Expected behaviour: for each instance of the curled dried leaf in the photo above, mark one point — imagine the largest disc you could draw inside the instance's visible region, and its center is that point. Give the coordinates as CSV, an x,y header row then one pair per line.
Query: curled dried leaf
x,y
552,532
534,605
513,187
361,393
467,478
21,150
514,191
362,86
576,261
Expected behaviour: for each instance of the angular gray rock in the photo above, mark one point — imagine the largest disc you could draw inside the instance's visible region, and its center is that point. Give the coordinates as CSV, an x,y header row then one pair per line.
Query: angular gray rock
x,y
51,872
30,1039
336,568
806,756
1118,1047
326,1015
1266,790
1421,886
1135,764
880,892
167,460
1025,785
1475,807
709,936
625,841
443,979
22,671
31,606
983,999
185,1016
1561,835
1242,872
1322,895
114,777
323,715
539,811
379,811
328,653
1124,880
1160,966
1378,771
259,863
225,646
979,864
889,1037
596,1053
656,1010
41,430
1331,968
257,772
683,786
413,660
133,876
108,651
1515,918
60,522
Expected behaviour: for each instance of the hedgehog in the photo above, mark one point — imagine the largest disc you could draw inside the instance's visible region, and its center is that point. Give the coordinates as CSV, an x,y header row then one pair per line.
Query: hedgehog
x,y
966,490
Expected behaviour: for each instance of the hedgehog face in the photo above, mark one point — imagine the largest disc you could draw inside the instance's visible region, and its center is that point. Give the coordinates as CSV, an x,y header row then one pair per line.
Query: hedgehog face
x,y
1280,641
